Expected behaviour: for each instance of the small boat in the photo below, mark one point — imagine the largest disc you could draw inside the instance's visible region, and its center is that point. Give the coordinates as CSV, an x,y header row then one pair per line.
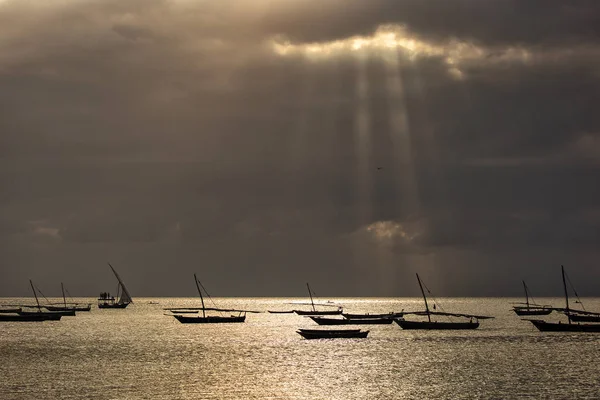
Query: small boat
x,y
314,310
49,315
528,308
545,326
346,321
67,306
332,333
391,315
281,312
473,322
205,319
123,298
581,316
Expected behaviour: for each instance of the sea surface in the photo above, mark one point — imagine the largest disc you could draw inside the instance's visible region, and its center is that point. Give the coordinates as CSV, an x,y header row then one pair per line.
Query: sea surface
x,y
141,353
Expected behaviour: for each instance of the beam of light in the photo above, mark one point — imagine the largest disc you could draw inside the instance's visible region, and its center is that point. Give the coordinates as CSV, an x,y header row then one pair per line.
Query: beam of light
x,y
362,142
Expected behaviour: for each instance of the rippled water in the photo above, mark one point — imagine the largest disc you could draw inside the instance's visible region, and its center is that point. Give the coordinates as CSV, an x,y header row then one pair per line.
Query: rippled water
x,y
139,353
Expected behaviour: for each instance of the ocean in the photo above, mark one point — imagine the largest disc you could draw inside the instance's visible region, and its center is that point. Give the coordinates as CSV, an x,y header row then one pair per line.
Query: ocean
x,y
141,353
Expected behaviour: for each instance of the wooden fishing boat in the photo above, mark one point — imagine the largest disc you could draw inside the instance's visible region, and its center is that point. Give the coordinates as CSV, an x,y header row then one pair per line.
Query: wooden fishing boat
x,y
314,310
545,326
528,308
123,298
31,316
206,319
347,321
67,306
472,323
332,333
280,312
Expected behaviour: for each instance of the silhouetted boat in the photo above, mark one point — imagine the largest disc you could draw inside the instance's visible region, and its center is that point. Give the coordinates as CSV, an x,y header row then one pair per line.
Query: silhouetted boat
x,y
32,316
391,315
545,326
332,333
583,316
281,312
67,306
438,325
123,298
531,308
10,310
314,310
205,319
346,321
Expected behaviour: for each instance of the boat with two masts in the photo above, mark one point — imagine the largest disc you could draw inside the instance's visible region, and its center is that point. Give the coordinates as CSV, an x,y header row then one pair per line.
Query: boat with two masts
x,y
207,319
429,324
123,299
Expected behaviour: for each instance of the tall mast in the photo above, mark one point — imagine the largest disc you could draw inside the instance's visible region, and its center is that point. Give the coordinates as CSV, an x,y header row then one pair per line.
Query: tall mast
x,y
35,294
565,288
311,298
424,298
63,290
201,298
526,294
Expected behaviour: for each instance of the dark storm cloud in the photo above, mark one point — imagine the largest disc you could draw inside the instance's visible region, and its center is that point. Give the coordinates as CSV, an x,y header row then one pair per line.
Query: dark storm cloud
x,y
173,136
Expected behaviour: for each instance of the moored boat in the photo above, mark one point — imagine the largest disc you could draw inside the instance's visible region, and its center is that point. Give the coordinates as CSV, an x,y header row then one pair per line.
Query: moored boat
x,y
545,326
391,315
332,333
528,308
207,319
472,323
314,310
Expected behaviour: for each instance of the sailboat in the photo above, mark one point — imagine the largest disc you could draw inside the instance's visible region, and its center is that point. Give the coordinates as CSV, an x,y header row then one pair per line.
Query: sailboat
x,y
530,308
69,306
570,326
314,311
206,319
40,315
123,298
473,322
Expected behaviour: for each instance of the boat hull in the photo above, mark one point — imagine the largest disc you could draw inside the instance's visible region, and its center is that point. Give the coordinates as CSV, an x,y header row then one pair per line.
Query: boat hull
x,y
332,334
532,311
390,315
328,312
184,319
115,305
281,312
435,325
544,326
74,308
358,321
29,317
584,318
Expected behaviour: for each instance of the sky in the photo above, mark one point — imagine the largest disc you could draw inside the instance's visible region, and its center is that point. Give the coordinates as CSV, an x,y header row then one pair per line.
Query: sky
x,y
264,144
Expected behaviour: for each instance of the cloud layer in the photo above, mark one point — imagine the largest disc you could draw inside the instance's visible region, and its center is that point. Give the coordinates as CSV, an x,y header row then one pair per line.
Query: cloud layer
x,y
268,143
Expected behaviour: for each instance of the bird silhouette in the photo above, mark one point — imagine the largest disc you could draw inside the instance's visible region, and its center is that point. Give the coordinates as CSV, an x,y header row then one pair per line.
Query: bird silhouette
x,y
378,168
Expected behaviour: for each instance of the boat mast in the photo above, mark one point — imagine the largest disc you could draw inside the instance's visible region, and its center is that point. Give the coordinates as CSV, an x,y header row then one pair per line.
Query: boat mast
x,y
562,267
201,298
63,291
35,295
526,294
424,298
123,288
311,298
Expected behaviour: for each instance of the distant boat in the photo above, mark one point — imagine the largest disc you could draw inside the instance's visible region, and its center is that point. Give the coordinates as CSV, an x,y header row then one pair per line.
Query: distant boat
x,y
473,322
9,310
332,333
351,321
123,298
391,315
205,319
281,312
31,316
531,308
67,306
569,326
314,311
